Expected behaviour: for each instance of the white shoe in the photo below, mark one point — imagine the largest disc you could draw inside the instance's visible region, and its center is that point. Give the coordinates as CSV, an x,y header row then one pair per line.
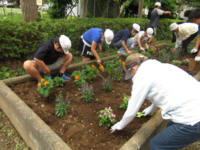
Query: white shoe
x,y
197,58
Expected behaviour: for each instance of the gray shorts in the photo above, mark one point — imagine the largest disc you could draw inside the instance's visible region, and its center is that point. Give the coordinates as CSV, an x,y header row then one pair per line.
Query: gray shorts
x,y
53,66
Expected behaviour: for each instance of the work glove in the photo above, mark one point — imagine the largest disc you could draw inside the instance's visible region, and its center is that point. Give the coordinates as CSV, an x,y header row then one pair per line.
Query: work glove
x,y
142,49
149,110
174,49
115,127
194,50
147,47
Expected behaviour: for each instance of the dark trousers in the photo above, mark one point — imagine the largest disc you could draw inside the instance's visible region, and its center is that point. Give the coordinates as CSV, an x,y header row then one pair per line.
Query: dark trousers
x,y
187,41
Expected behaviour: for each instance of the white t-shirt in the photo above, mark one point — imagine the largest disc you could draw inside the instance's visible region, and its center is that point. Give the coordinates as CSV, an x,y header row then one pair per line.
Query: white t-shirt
x,y
140,34
160,12
167,87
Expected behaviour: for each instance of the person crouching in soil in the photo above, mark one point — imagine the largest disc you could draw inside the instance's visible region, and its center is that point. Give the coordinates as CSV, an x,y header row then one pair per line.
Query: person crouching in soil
x,y
92,39
154,81
50,55
141,38
122,40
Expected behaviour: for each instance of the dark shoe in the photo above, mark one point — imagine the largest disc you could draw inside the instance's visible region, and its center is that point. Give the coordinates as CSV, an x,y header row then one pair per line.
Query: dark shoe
x,y
66,78
190,73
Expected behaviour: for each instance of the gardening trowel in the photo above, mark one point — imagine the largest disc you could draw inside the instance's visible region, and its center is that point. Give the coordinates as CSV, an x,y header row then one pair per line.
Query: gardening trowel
x,y
101,68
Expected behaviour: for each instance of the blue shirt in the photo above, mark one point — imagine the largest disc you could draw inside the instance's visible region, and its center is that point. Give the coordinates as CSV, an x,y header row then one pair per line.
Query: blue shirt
x,y
199,30
122,35
93,34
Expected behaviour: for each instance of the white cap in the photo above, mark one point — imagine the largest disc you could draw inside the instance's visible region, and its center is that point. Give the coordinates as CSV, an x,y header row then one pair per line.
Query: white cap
x,y
173,26
149,32
65,43
136,27
109,35
158,4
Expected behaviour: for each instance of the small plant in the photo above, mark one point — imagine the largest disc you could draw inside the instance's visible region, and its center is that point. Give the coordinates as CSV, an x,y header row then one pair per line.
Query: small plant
x,y
44,86
118,73
125,102
110,67
185,62
91,72
61,104
58,81
139,114
79,78
163,57
146,54
107,117
176,62
87,91
107,83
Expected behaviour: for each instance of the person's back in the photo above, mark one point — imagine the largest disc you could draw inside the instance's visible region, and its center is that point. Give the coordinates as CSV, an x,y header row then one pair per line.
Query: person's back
x,y
154,17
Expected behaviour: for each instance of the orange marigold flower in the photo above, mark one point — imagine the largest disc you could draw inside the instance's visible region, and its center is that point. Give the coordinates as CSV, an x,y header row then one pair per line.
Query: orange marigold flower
x,y
120,60
92,66
39,84
46,83
123,64
143,52
77,77
42,80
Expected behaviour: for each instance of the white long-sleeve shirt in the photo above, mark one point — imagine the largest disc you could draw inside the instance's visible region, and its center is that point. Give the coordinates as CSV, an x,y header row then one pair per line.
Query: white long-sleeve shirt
x,y
167,87
184,31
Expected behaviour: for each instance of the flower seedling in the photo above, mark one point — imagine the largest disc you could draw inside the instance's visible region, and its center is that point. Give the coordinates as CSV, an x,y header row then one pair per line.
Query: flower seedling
x,y
44,86
107,117
79,77
176,62
125,102
58,81
92,71
139,114
118,73
87,91
110,67
107,83
61,104
163,57
185,62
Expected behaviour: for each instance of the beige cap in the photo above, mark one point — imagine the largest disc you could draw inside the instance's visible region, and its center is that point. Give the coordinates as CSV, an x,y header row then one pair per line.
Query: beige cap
x,y
109,35
131,61
173,26
65,43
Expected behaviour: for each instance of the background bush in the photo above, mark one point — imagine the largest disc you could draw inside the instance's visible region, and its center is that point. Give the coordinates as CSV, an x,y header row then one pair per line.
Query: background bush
x,y
20,38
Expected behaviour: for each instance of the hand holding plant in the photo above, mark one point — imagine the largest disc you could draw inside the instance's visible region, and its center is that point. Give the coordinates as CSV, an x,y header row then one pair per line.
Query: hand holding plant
x,y
107,117
44,86
87,91
61,104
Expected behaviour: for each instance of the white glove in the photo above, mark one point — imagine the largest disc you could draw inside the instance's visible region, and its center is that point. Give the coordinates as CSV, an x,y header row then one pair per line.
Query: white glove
x,y
115,127
147,47
194,50
142,49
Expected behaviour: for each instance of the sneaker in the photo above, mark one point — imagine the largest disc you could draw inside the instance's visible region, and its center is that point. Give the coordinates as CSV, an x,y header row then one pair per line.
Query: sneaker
x,y
190,73
66,78
197,58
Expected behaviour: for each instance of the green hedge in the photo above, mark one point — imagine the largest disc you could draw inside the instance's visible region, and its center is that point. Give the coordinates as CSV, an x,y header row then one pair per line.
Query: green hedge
x,y
23,38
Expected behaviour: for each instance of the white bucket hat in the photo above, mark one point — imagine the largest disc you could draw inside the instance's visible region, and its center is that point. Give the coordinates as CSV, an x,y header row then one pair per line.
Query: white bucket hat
x,y
149,32
173,26
158,4
109,35
136,27
65,43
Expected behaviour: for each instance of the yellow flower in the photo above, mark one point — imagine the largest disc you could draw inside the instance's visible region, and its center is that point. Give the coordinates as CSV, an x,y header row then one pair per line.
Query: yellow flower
x,y
42,80
77,77
111,61
39,84
46,83
120,60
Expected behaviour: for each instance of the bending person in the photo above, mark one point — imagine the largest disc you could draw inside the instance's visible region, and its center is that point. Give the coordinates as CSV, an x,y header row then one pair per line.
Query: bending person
x,y
166,91
122,40
92,39
184,33
141,38
50,55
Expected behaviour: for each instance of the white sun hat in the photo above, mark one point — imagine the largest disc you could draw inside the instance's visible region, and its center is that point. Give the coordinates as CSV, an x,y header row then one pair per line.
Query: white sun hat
x,y
149,32
136,27
65,43
109,35
173,26
158,4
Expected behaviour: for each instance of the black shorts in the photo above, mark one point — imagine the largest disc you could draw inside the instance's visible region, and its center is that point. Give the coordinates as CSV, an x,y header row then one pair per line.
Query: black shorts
x,y
85,50
193,55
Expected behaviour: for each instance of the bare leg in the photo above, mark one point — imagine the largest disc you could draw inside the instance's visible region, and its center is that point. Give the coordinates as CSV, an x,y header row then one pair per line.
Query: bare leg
x,y
67,58
32,69
151,38
86,59
192,64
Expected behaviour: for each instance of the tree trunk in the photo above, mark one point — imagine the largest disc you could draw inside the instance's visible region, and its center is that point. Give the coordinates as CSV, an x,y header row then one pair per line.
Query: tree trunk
x,y
17,2
120,14
105,8
180,9
29,10
140,8
84,9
